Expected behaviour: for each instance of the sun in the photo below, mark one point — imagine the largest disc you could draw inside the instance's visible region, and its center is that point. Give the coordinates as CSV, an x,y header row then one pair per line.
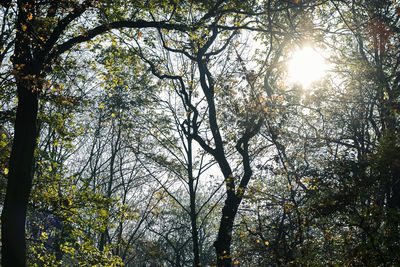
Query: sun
x,y
306,66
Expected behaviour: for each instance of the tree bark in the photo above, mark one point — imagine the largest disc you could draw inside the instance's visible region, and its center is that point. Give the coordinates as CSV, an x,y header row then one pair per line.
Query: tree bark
x,y
224,239
19,178
27,75
193,214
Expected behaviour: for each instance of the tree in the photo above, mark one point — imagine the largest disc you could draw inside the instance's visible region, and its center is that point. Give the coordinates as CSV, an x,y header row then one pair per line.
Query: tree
x,y
44,31
308,176
332,144
201,55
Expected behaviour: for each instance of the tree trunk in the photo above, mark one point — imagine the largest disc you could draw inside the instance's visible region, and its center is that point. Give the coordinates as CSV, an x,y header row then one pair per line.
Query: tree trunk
x,y
193,214
223,243
28,79
20,177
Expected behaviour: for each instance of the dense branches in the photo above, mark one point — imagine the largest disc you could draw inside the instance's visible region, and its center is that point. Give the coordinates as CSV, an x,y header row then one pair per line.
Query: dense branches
x,y
168,132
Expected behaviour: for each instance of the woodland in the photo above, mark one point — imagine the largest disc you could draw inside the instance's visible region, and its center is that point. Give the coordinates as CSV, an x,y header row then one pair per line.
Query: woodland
x,y
200,133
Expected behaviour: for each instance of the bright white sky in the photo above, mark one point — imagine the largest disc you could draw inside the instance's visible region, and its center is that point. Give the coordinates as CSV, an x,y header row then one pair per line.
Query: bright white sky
x,y
306,66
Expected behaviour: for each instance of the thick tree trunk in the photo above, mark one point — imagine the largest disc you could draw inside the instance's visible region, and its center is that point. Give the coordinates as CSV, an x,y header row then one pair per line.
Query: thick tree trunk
x,y
27,76
20,176
223,243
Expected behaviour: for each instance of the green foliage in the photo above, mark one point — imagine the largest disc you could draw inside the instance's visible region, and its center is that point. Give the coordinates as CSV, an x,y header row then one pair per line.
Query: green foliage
x,y
125,168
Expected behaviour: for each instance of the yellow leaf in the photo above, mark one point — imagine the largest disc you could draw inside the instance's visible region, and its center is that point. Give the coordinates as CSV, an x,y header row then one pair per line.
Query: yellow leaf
x,y
112,114
103,213
24,27
30,16
5,171
266,243
385,96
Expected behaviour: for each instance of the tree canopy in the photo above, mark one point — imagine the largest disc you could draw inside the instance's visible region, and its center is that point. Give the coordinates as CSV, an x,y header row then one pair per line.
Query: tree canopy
x,y
176,133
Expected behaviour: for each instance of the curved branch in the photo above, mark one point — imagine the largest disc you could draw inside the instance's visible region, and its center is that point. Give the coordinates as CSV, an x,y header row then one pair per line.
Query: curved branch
x,y
90,34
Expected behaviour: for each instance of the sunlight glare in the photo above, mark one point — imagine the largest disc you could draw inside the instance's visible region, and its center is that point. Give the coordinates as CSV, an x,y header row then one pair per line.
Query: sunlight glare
x,y
306,66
